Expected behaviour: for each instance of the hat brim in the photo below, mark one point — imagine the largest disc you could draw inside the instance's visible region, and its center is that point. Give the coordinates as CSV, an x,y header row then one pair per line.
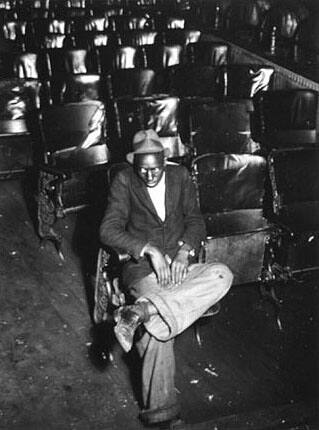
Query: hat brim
x,y
130,155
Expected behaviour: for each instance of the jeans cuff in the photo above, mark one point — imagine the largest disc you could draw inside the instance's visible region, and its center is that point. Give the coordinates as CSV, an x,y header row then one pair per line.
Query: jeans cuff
x,y
153,416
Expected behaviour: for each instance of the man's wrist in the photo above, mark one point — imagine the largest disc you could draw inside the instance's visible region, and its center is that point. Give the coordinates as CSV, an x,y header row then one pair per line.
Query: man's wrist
x,y
185,247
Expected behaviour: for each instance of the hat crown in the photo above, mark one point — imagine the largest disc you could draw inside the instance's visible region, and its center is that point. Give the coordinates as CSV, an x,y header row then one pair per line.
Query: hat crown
x,y
146,141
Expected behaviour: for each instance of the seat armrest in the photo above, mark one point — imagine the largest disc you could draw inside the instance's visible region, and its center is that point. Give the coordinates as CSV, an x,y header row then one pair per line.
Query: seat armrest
x,y
119,254
54,171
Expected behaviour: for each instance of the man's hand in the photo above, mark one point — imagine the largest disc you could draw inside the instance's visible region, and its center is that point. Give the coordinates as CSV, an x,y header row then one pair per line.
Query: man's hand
x,y
160,265
179,266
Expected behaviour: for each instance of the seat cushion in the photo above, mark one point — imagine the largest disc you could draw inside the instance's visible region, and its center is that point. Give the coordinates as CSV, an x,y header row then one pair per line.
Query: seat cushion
x,y
234,222
242,253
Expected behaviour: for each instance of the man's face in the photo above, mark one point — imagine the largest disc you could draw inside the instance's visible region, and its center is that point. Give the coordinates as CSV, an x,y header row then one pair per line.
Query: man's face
x,y
150,167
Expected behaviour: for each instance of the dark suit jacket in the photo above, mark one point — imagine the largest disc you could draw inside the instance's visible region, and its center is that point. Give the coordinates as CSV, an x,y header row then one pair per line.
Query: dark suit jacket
x,y
131,221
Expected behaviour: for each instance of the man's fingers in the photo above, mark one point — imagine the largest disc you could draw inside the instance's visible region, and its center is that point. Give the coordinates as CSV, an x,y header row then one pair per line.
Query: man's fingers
x,y
184,273
163,275
178,272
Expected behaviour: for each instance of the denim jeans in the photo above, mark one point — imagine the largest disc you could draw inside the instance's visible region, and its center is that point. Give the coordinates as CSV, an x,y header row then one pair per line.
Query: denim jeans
x,y
178,307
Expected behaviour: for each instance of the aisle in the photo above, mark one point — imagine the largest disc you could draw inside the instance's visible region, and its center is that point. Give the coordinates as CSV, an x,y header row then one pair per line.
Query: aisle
x,y
47,378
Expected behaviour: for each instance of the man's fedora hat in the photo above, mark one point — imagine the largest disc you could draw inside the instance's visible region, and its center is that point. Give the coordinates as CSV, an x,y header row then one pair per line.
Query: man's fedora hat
x,y
146,142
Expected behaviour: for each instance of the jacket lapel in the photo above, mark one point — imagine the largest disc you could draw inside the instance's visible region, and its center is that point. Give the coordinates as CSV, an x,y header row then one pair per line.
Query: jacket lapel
x,y
142,194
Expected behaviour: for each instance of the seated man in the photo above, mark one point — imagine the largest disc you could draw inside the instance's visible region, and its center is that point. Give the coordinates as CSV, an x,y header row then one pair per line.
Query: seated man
x,y
153,214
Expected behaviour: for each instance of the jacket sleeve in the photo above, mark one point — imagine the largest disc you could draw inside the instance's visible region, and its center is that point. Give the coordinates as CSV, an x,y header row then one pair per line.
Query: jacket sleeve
x,y
113,227
195,229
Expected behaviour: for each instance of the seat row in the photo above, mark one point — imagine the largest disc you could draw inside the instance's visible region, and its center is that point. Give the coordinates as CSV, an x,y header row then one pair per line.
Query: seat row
x,y
58,62
89,23
33,35
189,126
191,82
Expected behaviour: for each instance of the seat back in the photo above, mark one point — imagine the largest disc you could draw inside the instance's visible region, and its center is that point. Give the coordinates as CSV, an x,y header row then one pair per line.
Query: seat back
x,y
221,127
14,30
295,186
96,24
230,191
278,28
174,22
51,41
180,36
287,117
35,9
102,39
161,56
170,55
124,57
56,26
70,133
139,37
228,182
26,65
242,81
78,61
243,18
18,98
158,113
132,83
141,22
207,53
81,87
196,81
53,63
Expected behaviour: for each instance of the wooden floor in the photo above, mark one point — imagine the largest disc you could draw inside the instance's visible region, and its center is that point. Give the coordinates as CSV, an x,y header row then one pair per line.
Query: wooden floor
x,y
54,367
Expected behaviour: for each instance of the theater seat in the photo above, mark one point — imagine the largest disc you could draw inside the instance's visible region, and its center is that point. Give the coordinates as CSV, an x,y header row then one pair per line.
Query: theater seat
x,y
221,126
74,155
81,87
207,53
161,56
231,190
19,99
26,65
295,197
286,118
127,83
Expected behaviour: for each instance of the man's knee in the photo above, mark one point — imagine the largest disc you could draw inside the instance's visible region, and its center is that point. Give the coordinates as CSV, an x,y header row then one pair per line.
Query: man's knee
x,y
223,273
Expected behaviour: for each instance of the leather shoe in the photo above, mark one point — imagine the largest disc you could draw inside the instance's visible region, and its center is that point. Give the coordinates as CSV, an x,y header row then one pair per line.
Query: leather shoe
x,y
128,318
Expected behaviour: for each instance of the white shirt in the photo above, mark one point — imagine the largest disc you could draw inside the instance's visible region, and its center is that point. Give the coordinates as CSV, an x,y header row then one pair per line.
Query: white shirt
x,y
157,195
